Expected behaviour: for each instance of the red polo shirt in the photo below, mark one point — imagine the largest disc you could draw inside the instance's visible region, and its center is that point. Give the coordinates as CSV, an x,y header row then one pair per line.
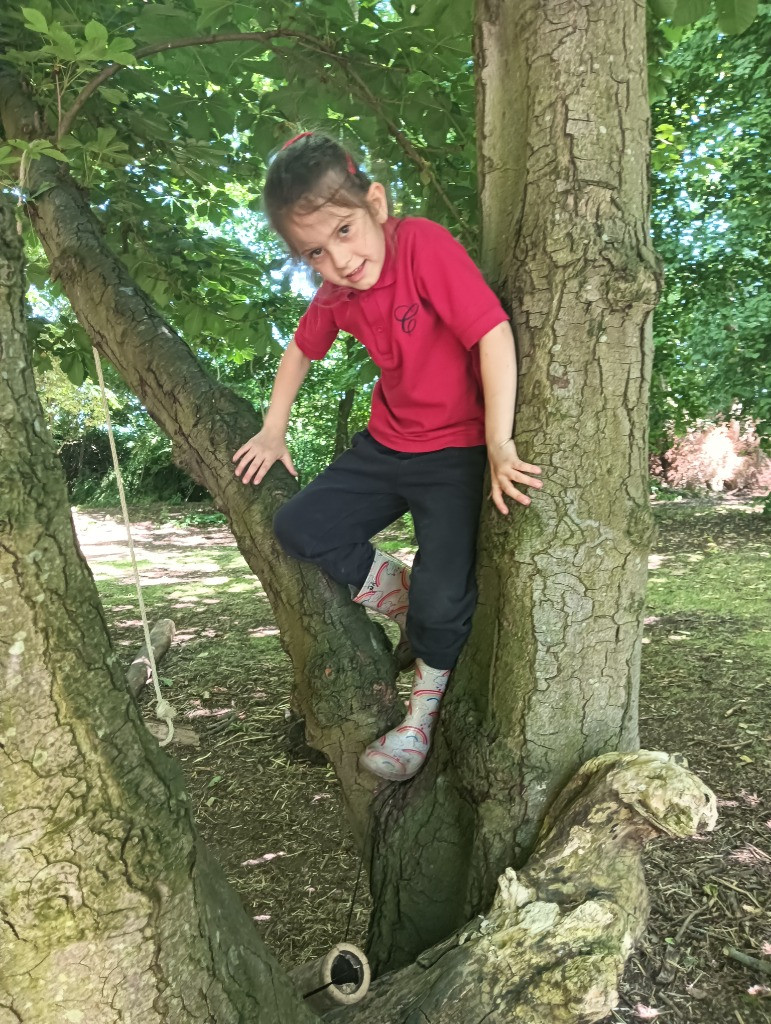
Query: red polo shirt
x,y
420,324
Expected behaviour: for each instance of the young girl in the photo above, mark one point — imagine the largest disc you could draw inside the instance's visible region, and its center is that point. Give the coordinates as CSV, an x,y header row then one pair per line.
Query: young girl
x,y
443,407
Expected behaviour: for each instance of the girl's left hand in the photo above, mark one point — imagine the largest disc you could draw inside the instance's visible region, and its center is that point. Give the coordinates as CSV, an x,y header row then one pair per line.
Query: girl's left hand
x,y
506,469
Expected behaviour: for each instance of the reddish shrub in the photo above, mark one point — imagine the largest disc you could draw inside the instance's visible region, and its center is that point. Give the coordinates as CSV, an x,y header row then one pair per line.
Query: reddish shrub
x,y
722,457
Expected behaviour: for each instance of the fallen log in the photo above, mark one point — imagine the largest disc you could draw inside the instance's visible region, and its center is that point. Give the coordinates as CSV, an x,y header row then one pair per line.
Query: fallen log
x,y
552,947
138,673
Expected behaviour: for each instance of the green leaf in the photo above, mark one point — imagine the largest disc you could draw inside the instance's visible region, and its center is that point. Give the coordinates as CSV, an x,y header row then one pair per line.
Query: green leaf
x,y
105,135
663,8
35,20
96,33
734,16
66,46
73,367
122,45
198,121
213,12
113,95
688,11
55,154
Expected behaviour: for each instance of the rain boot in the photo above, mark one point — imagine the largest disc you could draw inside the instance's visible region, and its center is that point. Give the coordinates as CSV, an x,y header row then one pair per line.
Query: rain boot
x,y
400,754
386,590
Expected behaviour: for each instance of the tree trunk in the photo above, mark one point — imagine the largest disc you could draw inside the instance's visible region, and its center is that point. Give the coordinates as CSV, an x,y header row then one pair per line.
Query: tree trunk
x,y
344,671
110,907
550,675
109,904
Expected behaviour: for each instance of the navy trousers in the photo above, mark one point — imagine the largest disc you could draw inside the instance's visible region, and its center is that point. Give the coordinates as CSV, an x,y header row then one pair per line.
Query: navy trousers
x,y
330,522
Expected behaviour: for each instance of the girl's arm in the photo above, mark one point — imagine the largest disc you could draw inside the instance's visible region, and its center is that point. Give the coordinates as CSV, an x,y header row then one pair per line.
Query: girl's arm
x,y
498,362
254,459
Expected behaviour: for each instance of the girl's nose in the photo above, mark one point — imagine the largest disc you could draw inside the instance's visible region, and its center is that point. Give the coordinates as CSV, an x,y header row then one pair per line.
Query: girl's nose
x,y
339,257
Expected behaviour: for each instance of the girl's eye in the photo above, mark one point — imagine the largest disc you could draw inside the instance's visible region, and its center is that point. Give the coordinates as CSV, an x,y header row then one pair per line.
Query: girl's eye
x,y
315,254
345,229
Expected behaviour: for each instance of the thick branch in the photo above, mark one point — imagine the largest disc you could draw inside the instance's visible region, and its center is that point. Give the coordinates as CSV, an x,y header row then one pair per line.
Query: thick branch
x,y
111,907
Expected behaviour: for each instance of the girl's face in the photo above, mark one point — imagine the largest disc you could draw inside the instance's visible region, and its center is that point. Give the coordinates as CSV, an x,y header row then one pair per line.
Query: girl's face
x,y
346,245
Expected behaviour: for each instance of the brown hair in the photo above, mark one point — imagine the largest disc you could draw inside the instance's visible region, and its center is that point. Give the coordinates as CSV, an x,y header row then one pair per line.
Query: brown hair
x,y
309,172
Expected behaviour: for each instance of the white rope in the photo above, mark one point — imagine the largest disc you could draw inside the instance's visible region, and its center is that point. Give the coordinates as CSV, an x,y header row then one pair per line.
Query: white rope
x,y
164,712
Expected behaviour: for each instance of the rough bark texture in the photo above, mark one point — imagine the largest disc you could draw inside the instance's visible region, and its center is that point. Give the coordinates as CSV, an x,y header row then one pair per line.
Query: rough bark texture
x,y
567,578
550,675
552,947
110,908
343,669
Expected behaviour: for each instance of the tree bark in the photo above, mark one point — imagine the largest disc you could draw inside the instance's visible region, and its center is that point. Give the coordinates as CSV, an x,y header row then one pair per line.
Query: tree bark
x,y
578,271
550,675
344,671
110,906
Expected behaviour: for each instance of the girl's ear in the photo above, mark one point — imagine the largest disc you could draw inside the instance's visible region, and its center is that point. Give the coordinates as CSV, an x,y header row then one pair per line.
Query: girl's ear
x,y
377,202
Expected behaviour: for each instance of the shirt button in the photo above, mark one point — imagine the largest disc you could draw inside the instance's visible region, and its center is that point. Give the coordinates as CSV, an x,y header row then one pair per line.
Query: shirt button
x,y
379,328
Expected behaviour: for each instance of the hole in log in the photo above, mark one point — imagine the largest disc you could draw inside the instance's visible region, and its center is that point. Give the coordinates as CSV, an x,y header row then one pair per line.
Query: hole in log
x,y
346,972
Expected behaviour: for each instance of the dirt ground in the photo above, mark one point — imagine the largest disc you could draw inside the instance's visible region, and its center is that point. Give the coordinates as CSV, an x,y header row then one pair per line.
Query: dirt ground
x,y
275,820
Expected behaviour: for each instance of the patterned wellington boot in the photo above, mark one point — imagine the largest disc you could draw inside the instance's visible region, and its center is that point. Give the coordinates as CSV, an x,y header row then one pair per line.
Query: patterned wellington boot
x,y
386,590
399,755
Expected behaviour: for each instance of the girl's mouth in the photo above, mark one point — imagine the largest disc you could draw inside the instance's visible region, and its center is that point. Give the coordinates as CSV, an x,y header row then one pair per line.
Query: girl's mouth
x,y
358,273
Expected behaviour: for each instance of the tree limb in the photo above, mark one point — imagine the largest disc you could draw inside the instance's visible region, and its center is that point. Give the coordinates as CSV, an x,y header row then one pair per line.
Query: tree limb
x,y
344,671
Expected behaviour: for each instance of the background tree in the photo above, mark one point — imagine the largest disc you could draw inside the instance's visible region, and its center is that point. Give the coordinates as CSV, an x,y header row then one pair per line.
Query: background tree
x,y
709,188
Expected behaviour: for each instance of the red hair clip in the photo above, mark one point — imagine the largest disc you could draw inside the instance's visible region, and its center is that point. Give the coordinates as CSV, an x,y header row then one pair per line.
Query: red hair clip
x,y
302,135
352,168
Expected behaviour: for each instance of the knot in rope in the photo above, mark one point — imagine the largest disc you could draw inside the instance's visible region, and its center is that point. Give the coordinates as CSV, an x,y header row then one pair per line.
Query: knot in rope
x,y
164,712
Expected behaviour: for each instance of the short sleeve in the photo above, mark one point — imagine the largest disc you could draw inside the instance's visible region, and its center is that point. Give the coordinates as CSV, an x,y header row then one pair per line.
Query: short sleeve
x,y
453,284
317,328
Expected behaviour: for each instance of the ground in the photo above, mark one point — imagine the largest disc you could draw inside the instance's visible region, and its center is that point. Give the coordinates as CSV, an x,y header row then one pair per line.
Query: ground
x,y
273,816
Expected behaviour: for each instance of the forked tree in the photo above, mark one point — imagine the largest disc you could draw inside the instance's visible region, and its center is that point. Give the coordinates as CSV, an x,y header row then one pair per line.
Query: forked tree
x,y
113,903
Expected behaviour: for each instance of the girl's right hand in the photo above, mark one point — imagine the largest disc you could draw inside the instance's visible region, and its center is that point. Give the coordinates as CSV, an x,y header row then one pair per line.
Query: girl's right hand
x,y
254,459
